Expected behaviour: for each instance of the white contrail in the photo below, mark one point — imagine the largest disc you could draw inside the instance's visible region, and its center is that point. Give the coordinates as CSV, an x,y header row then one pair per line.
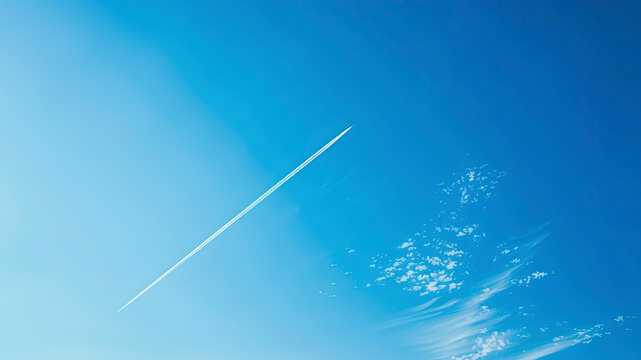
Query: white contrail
x,y
240,214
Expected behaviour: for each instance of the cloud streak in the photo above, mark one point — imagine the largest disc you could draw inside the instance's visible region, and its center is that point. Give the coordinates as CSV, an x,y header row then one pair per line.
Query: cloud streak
x,y
238,216
478,319
471,283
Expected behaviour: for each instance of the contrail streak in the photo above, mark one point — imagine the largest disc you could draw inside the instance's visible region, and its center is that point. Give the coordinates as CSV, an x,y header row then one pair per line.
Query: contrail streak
x,y
240,214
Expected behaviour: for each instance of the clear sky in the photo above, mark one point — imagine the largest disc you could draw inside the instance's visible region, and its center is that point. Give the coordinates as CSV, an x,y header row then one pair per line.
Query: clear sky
x,y
485,205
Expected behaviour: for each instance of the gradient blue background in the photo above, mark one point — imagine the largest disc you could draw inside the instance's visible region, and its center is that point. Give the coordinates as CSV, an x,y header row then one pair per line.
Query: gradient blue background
x,y
130,131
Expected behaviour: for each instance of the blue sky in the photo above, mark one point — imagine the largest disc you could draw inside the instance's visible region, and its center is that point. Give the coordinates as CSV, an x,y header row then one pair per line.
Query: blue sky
x,y
131,131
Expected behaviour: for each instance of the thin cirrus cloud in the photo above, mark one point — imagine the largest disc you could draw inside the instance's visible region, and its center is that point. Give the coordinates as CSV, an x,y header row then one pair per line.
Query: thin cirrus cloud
x,y
466,284
471,314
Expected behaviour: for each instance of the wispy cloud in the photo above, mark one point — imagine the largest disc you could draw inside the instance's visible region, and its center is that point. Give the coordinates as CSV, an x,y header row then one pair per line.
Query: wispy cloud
x,y
467,283
470,314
